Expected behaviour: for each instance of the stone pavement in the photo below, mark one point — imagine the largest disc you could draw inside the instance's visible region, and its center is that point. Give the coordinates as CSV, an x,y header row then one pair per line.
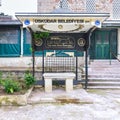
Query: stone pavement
x,y
59,95
103,105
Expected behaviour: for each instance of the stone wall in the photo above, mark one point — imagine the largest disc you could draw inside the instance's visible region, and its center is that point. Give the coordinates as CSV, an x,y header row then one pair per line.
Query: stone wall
x,y
46,5
101,6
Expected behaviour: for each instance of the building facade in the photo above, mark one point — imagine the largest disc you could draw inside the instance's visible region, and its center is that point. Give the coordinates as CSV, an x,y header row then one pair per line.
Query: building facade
x,y
104,43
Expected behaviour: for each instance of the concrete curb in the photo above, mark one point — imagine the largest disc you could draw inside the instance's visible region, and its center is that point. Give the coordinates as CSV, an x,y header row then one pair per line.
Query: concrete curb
x,y
15,99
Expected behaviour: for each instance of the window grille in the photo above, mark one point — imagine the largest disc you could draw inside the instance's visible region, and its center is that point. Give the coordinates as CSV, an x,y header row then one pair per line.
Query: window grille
x,y
60,64
63,4
116,9
90,6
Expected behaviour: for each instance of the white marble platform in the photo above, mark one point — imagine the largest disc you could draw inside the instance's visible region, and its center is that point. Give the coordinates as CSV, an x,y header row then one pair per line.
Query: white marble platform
x,y
68,77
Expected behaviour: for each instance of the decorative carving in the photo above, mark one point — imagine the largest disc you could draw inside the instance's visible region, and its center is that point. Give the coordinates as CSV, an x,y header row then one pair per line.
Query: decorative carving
x,y
60,42
38,42
81,42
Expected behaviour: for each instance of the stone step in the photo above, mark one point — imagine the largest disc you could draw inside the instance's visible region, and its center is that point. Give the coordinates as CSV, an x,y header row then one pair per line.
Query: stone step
x,y
104,69
105,61
103,83
103,66
104,75
103,79
103,87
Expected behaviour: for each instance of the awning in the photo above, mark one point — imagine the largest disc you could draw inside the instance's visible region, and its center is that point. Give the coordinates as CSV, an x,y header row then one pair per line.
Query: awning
x,y
10,23
111,23
66,22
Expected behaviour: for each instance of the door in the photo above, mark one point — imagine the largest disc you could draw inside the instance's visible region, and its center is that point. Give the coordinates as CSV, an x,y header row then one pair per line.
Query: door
x,y
101,43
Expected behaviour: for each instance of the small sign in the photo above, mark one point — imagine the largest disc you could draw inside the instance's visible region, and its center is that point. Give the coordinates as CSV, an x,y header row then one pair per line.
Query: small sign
x,y
27,22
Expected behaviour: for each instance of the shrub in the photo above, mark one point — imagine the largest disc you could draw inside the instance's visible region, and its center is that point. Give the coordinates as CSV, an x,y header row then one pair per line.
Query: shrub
x,y
0,77
29,79
11,86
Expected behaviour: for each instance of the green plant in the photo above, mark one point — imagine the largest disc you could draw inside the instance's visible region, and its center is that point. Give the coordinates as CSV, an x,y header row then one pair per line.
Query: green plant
x,y
1,78
1,75
41,35
11,86
29,79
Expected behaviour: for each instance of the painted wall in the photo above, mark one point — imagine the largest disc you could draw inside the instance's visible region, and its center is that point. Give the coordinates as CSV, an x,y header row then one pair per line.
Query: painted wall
x,y
25,62
21,62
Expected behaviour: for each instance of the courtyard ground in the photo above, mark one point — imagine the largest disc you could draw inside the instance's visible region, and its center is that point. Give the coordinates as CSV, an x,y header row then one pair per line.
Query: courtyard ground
x,y
92,105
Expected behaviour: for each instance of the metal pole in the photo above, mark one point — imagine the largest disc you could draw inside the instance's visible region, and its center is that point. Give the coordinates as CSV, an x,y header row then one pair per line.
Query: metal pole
x,y
33,56
33,52
86,69
76,66
42,67
110,47
43,63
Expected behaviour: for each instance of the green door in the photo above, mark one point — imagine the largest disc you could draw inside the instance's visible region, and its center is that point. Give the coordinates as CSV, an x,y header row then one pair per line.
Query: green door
x,y
101,43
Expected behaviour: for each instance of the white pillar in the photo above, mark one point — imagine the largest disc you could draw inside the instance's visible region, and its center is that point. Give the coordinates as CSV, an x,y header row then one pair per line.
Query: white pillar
x,y
118,43
21,38
69,84
48,85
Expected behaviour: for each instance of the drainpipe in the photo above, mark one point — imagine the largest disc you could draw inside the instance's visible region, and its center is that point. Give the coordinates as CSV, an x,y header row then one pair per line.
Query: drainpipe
x,y
21,41
33,55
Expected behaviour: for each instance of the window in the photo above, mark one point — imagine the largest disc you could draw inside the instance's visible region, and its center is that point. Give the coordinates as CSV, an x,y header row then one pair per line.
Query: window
x,y
116,9
90,6
28,37
8,36
9,41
